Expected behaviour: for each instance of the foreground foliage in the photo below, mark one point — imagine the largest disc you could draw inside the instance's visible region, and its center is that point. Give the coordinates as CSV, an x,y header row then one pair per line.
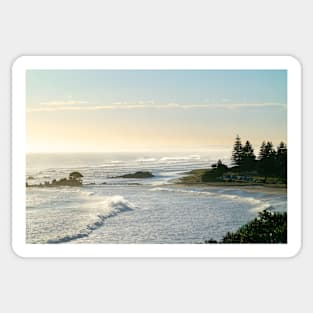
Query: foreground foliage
x,y
268,227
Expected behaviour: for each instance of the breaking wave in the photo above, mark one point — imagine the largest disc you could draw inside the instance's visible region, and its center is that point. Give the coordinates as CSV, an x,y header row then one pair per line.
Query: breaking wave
x,y
258,205
183,191
112,206
146,160
183,158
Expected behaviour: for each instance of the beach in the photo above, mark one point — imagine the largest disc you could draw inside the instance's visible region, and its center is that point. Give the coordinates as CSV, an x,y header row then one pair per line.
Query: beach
x,y
111,207
252,188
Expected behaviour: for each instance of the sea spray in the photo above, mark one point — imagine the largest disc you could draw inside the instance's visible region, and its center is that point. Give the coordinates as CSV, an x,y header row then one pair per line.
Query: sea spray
x,y
160,216
110,207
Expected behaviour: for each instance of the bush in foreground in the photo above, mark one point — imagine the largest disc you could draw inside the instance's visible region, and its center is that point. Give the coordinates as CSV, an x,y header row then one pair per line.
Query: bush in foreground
x,y
268,227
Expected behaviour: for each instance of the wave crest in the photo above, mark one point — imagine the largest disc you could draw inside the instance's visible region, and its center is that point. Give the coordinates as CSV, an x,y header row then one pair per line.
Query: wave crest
x,y
258,204
111,206
180,158
146,160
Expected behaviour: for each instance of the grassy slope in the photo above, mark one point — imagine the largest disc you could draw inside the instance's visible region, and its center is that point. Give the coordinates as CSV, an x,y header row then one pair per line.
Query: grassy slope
x,y
194,177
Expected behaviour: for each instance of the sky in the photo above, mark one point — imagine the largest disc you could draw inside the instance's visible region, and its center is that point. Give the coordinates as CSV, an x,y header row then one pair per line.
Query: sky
x,y
153,110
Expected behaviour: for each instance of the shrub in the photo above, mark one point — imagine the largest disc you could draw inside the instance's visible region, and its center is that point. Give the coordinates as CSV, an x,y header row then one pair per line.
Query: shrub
x,y
268,227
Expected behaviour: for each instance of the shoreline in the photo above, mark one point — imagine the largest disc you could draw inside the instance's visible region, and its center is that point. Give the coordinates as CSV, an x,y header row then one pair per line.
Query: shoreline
x,y
252,188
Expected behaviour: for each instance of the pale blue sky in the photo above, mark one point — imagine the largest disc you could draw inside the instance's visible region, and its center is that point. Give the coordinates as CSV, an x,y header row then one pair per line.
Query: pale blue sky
x,y
101,110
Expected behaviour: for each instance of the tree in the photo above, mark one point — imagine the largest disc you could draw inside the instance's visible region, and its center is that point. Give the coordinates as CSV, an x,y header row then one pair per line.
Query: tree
x,y
269,150
267,156
248,156
237,152
219,167
281,150
218,170
219,163
266,151
268,227
76,176
262,151
281,156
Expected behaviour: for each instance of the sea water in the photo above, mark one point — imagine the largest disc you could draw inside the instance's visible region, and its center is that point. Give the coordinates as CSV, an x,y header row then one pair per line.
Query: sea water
x,y
119,210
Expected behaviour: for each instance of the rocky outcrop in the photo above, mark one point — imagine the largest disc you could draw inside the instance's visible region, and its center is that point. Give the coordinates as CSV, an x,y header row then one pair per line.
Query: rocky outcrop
x,y
74,180
140,174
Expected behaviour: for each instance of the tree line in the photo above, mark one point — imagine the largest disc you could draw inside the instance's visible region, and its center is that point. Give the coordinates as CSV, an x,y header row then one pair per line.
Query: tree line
x,y
269,162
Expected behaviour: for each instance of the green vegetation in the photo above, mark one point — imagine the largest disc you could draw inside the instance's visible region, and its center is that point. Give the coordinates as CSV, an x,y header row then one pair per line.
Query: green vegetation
x,y
193,177
75,175
270,162
269,168
218,170
268,227
273,163
74,180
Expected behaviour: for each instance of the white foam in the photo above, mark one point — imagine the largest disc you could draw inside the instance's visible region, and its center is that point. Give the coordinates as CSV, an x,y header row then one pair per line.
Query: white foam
x,y
117,204
207,193
110,206
146,160
180,158
258,205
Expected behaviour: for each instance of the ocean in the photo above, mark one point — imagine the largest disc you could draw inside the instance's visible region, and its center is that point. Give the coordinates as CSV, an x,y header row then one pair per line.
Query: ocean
x,y
127,210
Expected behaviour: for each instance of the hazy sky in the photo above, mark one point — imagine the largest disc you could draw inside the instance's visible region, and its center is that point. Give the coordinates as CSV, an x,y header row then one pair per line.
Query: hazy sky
x,y
125,110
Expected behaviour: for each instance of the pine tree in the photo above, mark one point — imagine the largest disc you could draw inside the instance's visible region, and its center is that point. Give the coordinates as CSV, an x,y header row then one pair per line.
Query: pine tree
x,y
248,152
267,156
282,149
248,156
266,150
269,150
281,156
237,152
262,151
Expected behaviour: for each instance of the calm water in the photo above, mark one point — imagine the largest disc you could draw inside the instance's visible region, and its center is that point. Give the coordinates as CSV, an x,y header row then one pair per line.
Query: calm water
x,y
133,210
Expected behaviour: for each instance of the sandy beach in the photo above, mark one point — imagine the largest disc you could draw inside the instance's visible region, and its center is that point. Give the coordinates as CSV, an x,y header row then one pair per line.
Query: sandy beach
x,y
270,189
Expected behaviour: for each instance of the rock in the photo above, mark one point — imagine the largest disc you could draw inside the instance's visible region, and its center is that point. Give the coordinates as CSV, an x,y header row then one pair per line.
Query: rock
x,y
140,174
74,180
